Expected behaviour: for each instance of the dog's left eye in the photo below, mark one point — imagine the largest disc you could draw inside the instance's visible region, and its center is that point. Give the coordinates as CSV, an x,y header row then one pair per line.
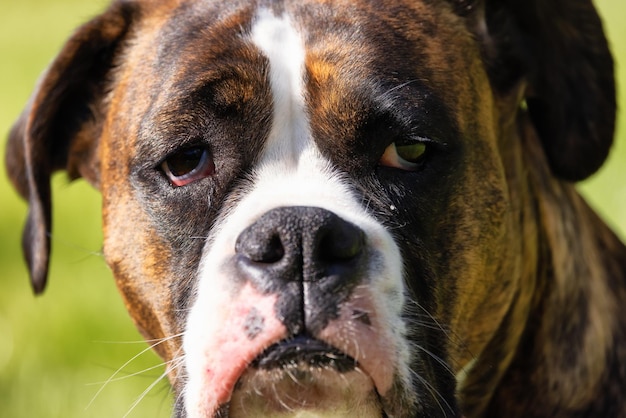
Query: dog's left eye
x,y
408,157
188,165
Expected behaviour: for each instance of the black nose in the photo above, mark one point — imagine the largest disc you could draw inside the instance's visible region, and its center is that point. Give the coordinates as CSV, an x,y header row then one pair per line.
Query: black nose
x,y
309,257
300,244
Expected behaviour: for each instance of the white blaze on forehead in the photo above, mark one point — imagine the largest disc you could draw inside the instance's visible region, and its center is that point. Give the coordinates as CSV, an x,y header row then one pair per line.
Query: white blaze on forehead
x,y
282,45
291,171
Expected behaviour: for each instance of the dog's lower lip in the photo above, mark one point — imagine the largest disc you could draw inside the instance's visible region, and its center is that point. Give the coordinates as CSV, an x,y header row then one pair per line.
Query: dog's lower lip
x,y
303,373
304,349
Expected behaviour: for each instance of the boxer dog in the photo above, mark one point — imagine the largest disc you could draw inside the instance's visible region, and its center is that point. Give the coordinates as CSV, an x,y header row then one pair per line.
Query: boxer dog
x,y
347,208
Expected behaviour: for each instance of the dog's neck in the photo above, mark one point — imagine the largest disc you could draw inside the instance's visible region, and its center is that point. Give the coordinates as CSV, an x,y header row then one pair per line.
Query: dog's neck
x,y
567,357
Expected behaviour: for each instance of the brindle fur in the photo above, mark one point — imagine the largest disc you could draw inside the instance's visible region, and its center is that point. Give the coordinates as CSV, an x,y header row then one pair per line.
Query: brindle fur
x,y
522,283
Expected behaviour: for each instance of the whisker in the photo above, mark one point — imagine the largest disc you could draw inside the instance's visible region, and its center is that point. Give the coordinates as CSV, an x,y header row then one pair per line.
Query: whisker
x,y
435,394
399,86
430,322
145,392
293,377
58,240
280,400
431,317
118,379
157,340
119,370
175,366
436,358
179,398
172,365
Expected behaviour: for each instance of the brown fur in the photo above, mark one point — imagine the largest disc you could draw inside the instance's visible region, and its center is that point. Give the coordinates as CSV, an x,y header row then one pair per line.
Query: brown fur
x,y
522,278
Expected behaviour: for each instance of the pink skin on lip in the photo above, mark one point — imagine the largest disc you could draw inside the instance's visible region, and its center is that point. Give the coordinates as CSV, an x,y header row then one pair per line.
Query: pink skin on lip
x,y
235,346
240,340
363,341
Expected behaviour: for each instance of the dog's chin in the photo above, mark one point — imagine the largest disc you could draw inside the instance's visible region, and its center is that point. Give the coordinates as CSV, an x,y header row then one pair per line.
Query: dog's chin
x,y
304,378
304,391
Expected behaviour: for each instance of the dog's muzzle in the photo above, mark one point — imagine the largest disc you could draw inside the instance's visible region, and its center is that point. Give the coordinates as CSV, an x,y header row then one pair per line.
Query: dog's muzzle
x,y
300,326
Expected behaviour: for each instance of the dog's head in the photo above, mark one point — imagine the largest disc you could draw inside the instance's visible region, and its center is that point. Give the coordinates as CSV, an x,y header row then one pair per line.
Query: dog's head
x,y
318,205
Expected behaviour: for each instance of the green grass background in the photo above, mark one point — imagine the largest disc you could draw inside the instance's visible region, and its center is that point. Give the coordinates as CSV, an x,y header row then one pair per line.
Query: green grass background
x,y
56,350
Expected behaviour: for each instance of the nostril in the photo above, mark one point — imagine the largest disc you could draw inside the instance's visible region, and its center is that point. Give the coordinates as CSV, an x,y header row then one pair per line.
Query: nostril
x,y
341,243
274,251
259,248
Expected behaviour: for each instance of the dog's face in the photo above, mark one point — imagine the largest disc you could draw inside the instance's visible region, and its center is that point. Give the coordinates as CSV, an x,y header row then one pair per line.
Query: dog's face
x,y
297,194
315,206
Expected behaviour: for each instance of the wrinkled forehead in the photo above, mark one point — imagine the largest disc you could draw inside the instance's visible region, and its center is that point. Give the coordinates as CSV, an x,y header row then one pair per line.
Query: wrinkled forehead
x,y
355,56
367,28
379,41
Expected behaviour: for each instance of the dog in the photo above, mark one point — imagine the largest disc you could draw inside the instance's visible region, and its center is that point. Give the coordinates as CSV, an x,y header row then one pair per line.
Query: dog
x,y
346,209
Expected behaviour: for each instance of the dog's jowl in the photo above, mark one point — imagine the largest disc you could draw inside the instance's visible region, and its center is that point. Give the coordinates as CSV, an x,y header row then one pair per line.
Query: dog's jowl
x,y
347,209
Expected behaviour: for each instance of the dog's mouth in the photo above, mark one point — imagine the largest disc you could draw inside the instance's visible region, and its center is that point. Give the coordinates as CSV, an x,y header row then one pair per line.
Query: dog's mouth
x,y
250,366
304,349
303,376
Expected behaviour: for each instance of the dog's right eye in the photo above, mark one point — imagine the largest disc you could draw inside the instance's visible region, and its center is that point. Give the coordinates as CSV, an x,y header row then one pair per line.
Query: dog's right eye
x,y
188,165
408,157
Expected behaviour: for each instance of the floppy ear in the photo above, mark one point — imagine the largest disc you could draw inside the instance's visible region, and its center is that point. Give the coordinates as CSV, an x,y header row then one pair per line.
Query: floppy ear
x,y
558,48
59,128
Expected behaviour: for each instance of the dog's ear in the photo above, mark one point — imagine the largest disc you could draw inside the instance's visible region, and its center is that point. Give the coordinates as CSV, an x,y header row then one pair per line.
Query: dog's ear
x,y
60,125
559,49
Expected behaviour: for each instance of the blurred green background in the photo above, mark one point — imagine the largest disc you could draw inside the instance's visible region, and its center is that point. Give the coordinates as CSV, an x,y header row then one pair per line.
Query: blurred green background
x,y
56,350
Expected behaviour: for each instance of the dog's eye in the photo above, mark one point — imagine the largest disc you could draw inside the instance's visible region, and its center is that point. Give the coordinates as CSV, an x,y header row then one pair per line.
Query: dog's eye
x,y
407,157
188,165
